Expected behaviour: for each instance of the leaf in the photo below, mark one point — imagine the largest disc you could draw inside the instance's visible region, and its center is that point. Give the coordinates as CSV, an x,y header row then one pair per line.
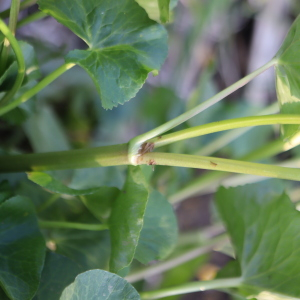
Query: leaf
x,y
100,203
264,228
55,186
288,77
99,284
45,132
5,191
58,273
127,219
158,10
124,44
158,237
22,249
89,249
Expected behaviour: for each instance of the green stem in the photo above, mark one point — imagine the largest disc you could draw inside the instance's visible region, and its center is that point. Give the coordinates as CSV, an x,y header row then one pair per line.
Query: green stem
x,y
193,287
20,59
33,91
219,164
48,203
176,261
13,16
71,225
29,19
83,158
135,143
222,126
24,4
213,179
230,136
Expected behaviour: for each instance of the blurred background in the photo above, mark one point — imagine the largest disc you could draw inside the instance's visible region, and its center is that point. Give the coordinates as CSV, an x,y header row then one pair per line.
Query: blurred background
x,y
212,44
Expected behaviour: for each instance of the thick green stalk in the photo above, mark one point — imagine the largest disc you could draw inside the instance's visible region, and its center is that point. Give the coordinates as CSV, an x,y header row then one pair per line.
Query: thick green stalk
x,y
136,143
219,164
193,287
222,126
71,225
213,178
31,18
24,4
83,158
33,91
20,59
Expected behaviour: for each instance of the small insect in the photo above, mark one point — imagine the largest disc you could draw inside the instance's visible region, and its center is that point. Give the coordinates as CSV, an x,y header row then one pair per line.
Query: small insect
x,y
146,148
152,163
213,164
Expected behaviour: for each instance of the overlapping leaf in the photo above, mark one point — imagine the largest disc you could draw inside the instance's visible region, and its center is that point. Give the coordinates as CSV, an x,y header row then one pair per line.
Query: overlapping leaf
x,y
158,10
288,77
99,284
158,237
58,273
264,228
124,44
126,221
22,249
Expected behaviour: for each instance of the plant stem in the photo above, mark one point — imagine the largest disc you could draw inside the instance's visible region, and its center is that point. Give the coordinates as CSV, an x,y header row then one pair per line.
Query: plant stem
x,y
193,287
135,143
219,164
13,16
20,59
49,202
83,158
222,126
212,179
230,136
33,91
24,4
71,225
177,261
29,19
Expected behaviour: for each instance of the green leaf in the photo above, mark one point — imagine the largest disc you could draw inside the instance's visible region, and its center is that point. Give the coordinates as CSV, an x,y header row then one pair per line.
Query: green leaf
x,y
288,77
158,237
48,182
124,44
158,10
22,249
5,191
99,284
59,271
89,249
100,203
264,228
127,218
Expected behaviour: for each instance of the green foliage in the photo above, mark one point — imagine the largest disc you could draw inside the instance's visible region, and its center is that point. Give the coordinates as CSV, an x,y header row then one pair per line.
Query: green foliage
x,y
22,249
97,283
287,77
124,44
262,221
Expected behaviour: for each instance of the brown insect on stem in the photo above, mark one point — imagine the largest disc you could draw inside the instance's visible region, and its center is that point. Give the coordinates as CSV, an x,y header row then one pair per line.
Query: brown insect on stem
x,y
146,148
213,164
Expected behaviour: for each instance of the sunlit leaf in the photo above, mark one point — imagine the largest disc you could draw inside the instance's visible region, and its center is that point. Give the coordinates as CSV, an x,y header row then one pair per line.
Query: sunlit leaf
x,y
264,227
99,284
288,77
124,44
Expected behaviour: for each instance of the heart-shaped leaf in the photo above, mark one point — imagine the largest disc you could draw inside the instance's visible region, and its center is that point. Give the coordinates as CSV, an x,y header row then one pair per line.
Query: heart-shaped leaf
x,y
264,228
22,249
288,77
99,284
124,44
